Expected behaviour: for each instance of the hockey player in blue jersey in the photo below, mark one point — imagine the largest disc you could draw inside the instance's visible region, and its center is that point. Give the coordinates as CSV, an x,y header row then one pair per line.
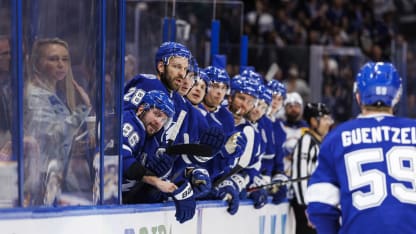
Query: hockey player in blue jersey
x,y
228,184
262,125
243,99
139,127
188,125
365,179
219,115
274,166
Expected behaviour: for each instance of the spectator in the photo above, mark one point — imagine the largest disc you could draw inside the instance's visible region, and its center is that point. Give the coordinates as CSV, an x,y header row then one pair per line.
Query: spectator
x,y
52,119
5,87
130,68
296,84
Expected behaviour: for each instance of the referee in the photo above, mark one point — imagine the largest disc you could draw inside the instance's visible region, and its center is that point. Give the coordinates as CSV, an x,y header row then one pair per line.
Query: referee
x,y
305,157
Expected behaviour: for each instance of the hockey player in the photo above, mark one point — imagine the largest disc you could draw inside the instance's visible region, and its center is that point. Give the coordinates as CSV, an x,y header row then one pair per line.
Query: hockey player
x,y
262,126
274,166
219,115
198,91
190,78
188,125
243,99
216,84
305,158
139,127
365,178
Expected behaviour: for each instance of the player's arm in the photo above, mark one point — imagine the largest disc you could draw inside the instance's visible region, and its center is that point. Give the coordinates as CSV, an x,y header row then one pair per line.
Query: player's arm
x,y
162,185
323,194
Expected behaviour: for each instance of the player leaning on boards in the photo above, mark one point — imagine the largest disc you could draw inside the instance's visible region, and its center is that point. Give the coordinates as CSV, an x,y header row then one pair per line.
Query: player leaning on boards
x,y
367,166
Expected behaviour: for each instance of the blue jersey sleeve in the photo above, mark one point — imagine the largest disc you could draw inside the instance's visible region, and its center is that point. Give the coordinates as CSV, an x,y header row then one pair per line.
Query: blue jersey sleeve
x,y
280,138
134,136
267,136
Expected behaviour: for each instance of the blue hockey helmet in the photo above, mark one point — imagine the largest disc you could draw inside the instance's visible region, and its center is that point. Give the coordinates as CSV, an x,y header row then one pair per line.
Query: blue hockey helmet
x,y
378,84
265,94
169,49
193,65
218,75
252,74
203,76
277,87
160,100
244,84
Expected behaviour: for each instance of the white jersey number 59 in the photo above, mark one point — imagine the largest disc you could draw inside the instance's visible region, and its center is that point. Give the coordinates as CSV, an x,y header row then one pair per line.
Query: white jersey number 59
x,y
401,164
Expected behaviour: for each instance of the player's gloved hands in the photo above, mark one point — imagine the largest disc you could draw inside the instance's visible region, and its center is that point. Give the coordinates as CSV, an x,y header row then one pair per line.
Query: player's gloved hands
x,y
240,182
214,137
259,198
227,191
201,182
159,163
279,189
184,202
235,144
278,180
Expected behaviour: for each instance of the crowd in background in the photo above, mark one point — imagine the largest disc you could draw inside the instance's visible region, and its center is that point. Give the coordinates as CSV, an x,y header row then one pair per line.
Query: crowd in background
x,y
371,26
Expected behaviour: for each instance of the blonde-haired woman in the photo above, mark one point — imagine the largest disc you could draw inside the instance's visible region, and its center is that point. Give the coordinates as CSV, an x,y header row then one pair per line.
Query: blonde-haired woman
x,y
55,108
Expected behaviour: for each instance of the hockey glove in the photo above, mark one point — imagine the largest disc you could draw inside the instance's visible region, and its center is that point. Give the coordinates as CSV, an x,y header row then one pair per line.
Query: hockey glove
x,y
279,190
235,144
259,198
184,202
240,182
214,137
227,191
160,163
201,182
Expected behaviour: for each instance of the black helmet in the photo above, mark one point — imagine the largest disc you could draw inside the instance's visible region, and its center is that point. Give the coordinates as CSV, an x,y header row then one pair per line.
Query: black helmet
x,y
315,110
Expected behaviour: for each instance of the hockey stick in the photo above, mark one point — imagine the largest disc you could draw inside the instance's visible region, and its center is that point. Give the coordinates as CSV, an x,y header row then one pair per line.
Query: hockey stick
x,y
277,183
201,150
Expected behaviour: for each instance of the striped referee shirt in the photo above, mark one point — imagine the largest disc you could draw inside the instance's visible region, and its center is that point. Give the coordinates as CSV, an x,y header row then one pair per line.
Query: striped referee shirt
x,y
305,156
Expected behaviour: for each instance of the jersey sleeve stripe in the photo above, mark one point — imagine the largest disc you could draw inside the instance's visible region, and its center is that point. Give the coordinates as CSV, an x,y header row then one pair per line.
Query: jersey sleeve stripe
x,y
324,193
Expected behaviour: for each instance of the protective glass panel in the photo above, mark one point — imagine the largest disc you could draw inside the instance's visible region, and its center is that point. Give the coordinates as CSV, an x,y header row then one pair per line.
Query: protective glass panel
x,y
334,76
411,81
60,101
8,161
112,93
144,30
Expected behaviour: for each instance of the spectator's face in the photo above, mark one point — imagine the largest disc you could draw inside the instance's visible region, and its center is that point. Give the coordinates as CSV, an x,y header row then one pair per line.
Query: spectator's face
x,y
216,93
174,73
197,92
54,62
241,103
4,55
153,120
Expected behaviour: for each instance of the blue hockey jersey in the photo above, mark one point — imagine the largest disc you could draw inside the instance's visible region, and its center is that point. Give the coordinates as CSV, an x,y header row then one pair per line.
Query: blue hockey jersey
x,y
366,176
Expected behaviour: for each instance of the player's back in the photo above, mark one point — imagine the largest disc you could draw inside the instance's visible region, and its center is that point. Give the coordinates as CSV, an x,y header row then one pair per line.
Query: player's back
x,y
373,161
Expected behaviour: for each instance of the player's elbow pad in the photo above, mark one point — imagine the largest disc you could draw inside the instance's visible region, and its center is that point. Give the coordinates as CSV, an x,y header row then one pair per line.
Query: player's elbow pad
x,y
136,171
